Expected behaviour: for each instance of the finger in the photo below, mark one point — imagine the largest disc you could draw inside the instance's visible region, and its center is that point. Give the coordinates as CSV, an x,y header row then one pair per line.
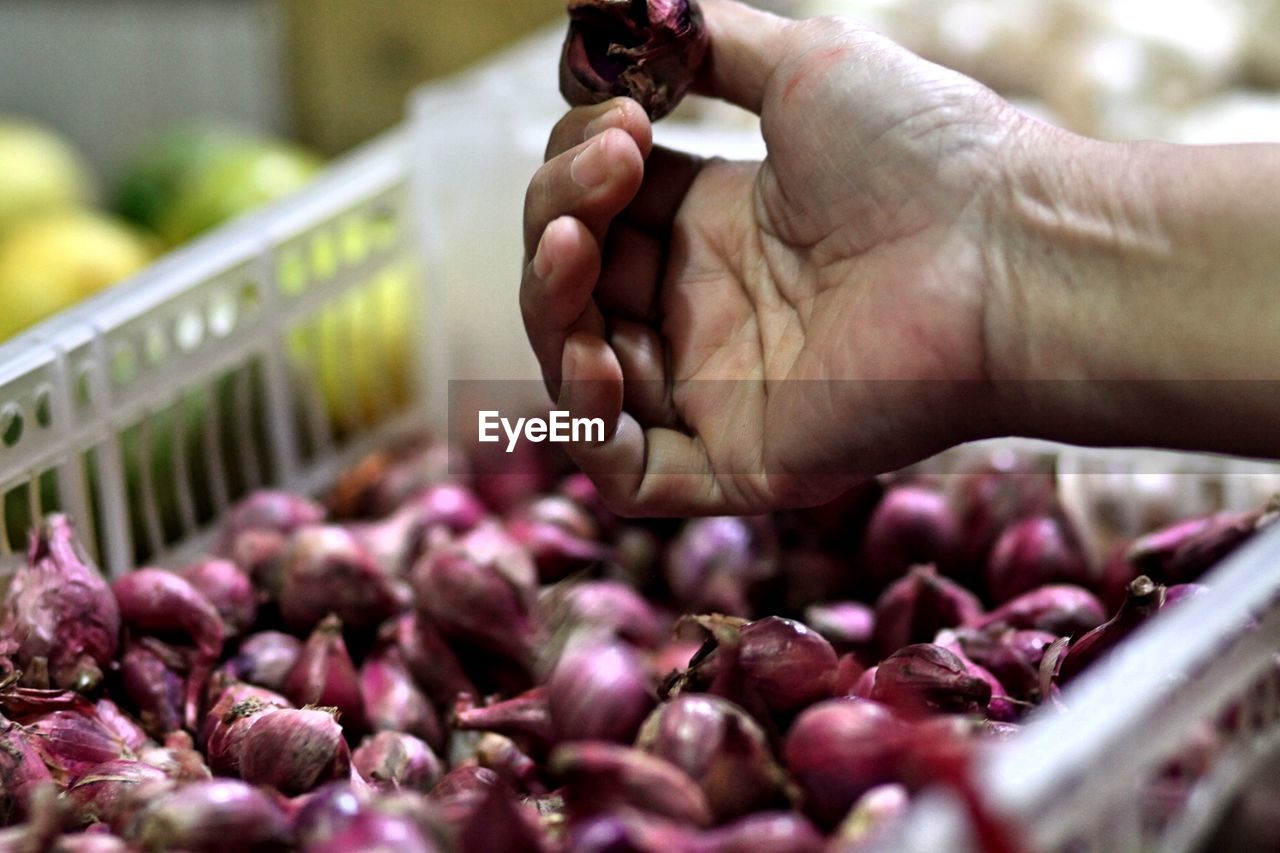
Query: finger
x,y
581,123
633,261
555,293
668,176
746,47
591,182
647,390
638,472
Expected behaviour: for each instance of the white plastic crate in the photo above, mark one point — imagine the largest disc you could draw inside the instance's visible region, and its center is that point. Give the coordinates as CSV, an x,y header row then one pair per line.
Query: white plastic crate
x,y
230,365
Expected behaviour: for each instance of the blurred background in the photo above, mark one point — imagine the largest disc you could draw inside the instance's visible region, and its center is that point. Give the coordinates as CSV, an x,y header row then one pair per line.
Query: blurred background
x,y
129,127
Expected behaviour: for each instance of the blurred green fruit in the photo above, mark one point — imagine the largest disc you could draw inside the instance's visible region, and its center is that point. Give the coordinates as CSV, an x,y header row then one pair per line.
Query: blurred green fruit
x,y
39,171
53,261
156,176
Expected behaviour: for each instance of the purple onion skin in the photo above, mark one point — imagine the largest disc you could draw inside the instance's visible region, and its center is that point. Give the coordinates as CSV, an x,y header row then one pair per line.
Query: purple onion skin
x,y
500,823
153,678
73,741
1011,656
1059,609
836,751
268,512
912,525
1032,553
503,756
606,605
326,570
159,602
1184,551
294,751
22,770
526,716
266,658
400,539
325,675
1144,600
230,729
393,702
914,608
765,832
481,589
847,625
221,815
599,691
428,657
120,724
228,589
721,748
373,831
461,791
1183,592
327,811
714,564
395,760
603,777
655,62
104,793
60,612
924,679
990,499
782,664
559,534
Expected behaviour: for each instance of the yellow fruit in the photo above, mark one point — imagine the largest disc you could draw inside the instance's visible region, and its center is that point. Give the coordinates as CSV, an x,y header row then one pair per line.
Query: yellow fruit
x,y
39,171
56,260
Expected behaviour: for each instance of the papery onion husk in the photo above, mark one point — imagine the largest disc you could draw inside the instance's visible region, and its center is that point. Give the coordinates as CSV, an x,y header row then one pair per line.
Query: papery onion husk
x,y
1059,609
504,756
715,564
121,724
107,792
265,659
914,608
1145,598
1035,552
393,702
599,690
22,770
603,777
60,613
721,748
912,525
211,817
229,589
325,675
390,760
294,750
500,822
559,534
232,719
925,678
326,570
153,676
650,51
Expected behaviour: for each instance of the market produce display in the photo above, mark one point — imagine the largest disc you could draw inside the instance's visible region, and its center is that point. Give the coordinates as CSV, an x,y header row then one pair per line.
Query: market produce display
x,y
497,662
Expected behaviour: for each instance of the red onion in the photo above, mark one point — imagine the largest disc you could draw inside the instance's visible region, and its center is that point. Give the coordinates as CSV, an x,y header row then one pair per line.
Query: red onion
x,y
526,717
228,696
579,488
847,625
22,770
326,570
914,608
154,601
294,750
721,748
120,724
1032,553
260,555
228,589
230,728
649,51
559,534
153,676
271,512
500,823
838,750
992,498
1010,655
461,791
599,691
386,478
1061,609
714,564
481,589
211,817
603,777
397,541
325,675
392,760
106,793
180,763
375,831
604,605
862,687
327,811
60,613
775,662
1184,551
628,831
503,756
872,814
924,678
849,671
765,832
1143,601
430,660
265,659
89,842
912,525
74,740
393,702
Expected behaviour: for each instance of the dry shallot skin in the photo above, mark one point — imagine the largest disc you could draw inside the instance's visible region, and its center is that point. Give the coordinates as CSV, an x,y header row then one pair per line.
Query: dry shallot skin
x,y
599,691
914,608
327,570
21,769
220,814
393,702
605,777
294,751
392,760
649,50
325,675
229,590
60,613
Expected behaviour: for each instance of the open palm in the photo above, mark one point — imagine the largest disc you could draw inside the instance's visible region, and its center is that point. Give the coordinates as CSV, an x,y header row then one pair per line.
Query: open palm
x,y
764,334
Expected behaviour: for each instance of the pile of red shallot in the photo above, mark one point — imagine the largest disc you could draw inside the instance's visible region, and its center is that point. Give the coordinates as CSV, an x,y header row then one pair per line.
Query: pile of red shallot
x,y
496,662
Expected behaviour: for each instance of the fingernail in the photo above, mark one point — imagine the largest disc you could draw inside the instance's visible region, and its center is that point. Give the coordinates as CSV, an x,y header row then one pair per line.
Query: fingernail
x,y
600,123
590,168
542,257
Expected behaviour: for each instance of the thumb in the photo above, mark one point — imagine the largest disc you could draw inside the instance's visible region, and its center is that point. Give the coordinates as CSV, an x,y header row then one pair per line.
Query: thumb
x,y
746,45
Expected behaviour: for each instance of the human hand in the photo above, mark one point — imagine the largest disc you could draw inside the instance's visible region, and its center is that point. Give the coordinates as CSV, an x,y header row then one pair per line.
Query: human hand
x,y
764,334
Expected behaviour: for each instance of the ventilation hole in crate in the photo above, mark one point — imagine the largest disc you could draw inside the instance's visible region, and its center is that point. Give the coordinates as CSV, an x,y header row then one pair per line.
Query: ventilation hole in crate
x,y
12,422
188,332
44,407
18,518
124,365
355,240
250,298
222,315
291,273
383,226
324,256
84,384
155,346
